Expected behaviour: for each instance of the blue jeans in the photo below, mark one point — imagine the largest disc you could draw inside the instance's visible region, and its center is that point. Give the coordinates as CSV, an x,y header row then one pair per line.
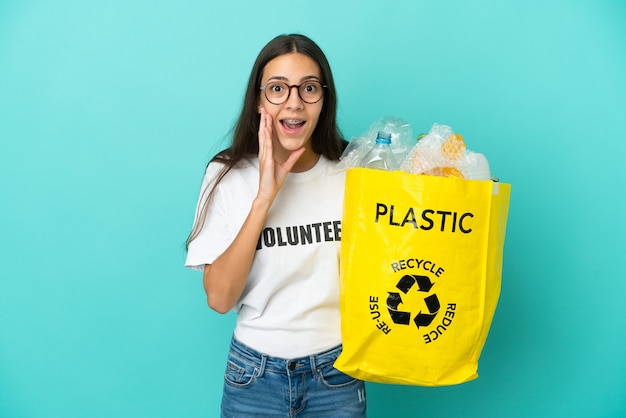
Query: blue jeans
x,y
256,385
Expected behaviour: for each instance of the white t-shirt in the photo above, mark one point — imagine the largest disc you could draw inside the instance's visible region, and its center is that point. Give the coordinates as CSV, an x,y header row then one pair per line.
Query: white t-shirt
x,y
290,304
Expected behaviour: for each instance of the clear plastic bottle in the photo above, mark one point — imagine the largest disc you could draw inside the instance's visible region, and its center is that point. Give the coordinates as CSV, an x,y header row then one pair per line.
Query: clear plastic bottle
x,y
380,157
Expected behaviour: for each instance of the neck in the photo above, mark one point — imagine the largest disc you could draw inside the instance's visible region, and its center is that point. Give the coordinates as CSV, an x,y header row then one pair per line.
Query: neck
x,y
306,162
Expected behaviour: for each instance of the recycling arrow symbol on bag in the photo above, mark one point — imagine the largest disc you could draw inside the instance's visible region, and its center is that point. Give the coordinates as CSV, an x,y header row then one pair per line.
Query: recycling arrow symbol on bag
x,y
405,284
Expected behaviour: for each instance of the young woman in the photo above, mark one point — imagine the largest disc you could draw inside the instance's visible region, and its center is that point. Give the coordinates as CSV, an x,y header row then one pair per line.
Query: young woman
x,y
267,235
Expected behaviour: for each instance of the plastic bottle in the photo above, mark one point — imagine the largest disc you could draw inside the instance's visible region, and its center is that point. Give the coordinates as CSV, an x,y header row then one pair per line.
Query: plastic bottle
x,y
380,157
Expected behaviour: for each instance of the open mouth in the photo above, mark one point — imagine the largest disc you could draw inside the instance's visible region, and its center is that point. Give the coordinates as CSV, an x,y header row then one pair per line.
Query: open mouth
x,y
292,124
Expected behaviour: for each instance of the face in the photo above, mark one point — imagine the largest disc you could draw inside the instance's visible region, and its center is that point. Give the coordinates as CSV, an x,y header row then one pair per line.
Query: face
x,y
293,121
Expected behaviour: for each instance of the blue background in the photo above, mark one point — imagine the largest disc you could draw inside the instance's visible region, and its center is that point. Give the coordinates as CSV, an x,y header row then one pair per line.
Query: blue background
x,y
109,112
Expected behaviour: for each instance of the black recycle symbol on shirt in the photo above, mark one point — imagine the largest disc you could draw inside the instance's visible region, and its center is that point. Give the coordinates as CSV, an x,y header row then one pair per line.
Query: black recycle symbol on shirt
x,y
405,284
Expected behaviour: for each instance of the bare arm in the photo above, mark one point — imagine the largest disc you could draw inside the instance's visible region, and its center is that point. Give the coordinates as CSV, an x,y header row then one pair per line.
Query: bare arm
x,y
224,280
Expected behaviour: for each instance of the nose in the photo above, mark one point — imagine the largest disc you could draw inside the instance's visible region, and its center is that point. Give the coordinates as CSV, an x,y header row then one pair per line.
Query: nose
x,y
294,101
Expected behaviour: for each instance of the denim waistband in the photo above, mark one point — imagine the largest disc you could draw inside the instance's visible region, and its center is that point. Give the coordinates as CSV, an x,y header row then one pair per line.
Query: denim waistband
x,y
277,364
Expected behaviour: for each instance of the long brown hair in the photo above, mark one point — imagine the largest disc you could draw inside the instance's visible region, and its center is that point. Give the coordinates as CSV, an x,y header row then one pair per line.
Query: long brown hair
x,y
326,139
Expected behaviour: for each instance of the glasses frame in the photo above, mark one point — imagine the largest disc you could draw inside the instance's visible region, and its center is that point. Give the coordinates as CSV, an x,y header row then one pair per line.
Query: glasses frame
x,y
289,87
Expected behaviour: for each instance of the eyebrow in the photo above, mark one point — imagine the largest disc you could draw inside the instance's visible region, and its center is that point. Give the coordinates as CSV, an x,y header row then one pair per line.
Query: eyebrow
x,y
305,78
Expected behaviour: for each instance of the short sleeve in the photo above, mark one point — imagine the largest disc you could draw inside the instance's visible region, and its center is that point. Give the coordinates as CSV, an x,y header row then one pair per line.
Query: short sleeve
x,y
214,236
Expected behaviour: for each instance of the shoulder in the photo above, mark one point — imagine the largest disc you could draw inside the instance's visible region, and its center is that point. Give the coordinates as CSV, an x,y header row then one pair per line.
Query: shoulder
x,y
217,166
332,168
221,173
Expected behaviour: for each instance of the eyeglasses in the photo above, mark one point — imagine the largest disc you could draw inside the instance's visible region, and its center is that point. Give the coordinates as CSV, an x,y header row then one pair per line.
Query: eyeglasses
x,y
277,92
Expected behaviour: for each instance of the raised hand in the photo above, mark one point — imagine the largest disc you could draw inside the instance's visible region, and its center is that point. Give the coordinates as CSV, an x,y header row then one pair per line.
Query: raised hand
x,y
272,173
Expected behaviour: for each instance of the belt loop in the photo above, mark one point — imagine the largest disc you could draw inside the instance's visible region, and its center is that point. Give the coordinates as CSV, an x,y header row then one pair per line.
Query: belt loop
x,y
313,364
262,365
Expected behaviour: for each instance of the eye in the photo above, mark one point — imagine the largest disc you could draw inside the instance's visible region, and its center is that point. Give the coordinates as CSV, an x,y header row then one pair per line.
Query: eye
x,y
276,88
310,88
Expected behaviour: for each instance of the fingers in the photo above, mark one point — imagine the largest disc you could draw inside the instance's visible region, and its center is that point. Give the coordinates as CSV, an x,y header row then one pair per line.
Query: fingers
x,y
267,183
261,133
265,135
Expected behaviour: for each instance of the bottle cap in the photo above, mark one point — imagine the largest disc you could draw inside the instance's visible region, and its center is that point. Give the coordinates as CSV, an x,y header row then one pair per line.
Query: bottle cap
x,y
383,137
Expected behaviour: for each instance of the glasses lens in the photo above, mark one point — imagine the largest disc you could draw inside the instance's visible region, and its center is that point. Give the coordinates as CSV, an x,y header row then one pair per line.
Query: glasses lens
x,y
310,92
276,92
